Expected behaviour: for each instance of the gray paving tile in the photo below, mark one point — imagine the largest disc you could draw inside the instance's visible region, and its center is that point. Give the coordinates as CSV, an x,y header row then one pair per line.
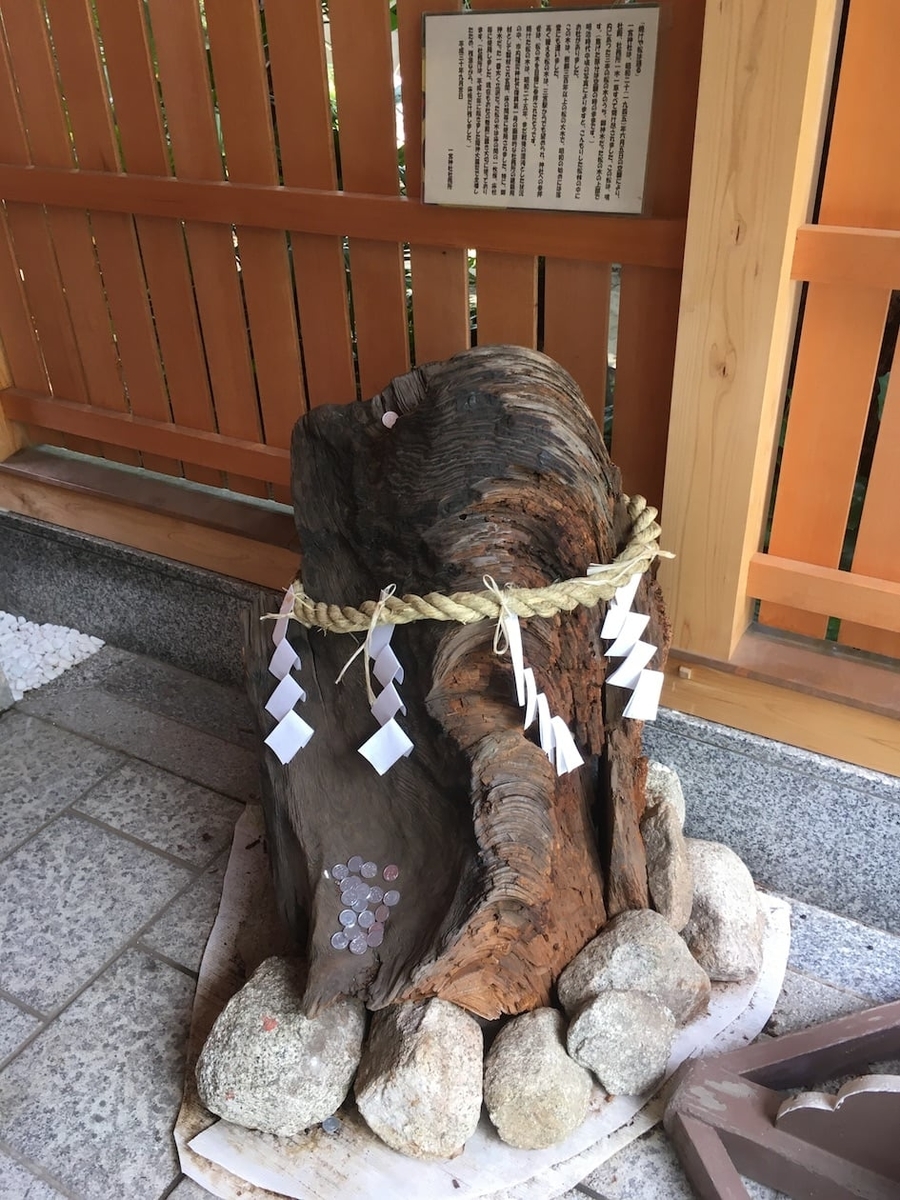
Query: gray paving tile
x,y
182,931
810,836
125,726
189,1190
649,1169
94,1098
18,1183
15,1027
805,1001
161,688
42,770
170,813
69,899
844,953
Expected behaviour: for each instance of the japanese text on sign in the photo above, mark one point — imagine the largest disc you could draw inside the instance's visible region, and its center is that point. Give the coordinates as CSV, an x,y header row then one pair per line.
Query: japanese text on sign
x,y
539,109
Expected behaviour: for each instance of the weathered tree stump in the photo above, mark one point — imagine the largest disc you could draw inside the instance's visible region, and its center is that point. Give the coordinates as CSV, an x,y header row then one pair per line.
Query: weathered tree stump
x,y
494,467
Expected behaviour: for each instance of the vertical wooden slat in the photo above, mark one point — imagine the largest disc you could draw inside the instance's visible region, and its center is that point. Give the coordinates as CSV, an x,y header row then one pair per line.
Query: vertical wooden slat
x,y
576,325
363,73
576,311
139,126
20,358
842,327
118,253
306,144
649,299
440,277
836,361
877,550
507,284
862,190
73,239
33,254
181,54
242,91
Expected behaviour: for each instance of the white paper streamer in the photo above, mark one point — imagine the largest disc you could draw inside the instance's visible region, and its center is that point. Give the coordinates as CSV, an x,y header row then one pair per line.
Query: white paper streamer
x,y
292,732
545,725
390,743
386,747
628,673
530,696
625,628
284,659
568,756
281,624
634,626
285,697
386,667
289,735
513,631
387,705
644,702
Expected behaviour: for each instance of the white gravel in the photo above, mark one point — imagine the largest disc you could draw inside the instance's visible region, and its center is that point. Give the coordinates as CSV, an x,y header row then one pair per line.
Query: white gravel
x,y
31,655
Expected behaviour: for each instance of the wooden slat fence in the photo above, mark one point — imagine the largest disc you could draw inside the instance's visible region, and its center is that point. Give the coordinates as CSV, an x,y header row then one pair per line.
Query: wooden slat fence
x,y
834,548
205,228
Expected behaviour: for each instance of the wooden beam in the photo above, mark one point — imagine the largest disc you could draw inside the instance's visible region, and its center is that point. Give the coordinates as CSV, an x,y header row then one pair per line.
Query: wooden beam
x,y
774,711
582,236
824,590
858,257
154,437
764,79
175,537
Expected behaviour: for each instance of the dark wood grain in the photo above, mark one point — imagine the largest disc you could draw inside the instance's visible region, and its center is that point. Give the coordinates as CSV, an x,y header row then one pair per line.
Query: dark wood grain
x,y
495,466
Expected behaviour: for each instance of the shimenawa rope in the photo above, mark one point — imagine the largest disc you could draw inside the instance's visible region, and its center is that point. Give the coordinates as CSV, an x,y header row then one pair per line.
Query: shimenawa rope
x,y
600,583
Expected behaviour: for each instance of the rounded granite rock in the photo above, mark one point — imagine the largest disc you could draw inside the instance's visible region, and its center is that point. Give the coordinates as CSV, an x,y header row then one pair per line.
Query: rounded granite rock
x,y
536,1095
637,951
419,1084
267,1066
625,1038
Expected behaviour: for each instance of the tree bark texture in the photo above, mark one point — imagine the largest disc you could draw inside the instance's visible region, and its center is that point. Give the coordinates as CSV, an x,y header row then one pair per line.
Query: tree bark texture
x,y
494,467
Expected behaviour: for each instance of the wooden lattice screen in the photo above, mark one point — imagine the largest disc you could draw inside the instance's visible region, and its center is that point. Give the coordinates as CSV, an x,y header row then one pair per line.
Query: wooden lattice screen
x,y
834,547
194,246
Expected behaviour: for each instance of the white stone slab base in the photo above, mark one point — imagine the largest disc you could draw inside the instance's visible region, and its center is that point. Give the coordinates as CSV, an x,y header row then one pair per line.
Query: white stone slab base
x,y
232,1162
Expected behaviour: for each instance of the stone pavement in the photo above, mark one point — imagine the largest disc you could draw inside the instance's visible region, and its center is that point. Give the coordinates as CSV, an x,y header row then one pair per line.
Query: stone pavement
x,y
119,787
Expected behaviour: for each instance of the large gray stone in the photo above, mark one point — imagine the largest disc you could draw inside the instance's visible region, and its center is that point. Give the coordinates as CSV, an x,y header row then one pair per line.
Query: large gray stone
x,y
419,1083
625,1038
725,931
536,1095
637,951
6,696
669,874
664,787
267,1066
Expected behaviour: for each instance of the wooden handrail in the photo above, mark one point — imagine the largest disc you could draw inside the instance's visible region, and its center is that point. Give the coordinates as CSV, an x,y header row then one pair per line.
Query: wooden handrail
x,y
593,237
825,590
152,437
860,257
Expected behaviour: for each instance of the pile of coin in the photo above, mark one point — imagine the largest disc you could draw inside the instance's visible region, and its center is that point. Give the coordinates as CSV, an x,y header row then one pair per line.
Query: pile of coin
x,y
366,905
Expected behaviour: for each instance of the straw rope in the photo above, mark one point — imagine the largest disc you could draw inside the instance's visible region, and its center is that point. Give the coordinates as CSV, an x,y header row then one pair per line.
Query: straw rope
x,y
600,583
